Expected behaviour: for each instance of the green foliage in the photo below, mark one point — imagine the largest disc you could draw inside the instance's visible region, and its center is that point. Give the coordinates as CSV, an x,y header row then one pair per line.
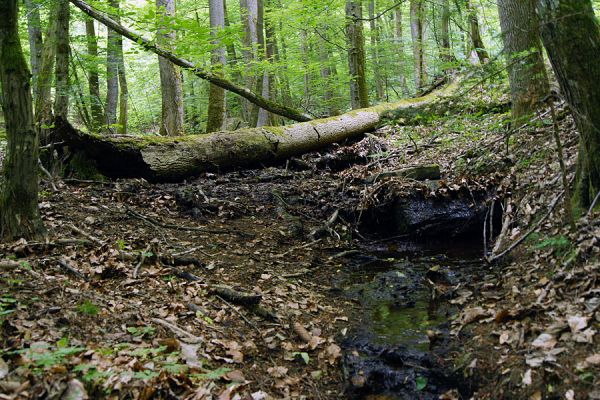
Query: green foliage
x,y
7,305
421,383
89,308
560,245
211,375
141,331
42,356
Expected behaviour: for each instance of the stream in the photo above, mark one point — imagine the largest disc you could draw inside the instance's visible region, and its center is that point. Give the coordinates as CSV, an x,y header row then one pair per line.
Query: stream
x,y
397,347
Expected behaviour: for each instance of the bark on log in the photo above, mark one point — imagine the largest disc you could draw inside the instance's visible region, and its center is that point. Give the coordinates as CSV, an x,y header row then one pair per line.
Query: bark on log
x,y
171,159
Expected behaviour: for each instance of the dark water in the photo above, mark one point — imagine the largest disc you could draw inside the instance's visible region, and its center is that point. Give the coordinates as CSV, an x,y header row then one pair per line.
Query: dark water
x,y
402,292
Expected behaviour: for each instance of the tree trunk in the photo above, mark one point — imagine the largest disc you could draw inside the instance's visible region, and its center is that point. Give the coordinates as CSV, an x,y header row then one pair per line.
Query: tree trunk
x,y
476,39
399,38
359,91
571,36
446,52
375,37
170,75
19,212
526,70
417,30
216,96
43,96
265,117
275,108
112,72
34,29
123,90
61,98
176,159
92,73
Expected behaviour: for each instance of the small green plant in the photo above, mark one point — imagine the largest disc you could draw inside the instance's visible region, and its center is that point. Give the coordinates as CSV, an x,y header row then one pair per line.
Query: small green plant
x,y
559,244
7,305
211,375
89,308
141,331
43,356
121,244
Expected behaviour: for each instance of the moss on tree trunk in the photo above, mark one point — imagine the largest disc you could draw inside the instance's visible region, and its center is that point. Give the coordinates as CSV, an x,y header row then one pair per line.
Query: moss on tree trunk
x,y
19,213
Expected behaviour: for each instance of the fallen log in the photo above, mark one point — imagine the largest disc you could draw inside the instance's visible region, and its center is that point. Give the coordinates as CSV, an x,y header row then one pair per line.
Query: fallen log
x,y
171,159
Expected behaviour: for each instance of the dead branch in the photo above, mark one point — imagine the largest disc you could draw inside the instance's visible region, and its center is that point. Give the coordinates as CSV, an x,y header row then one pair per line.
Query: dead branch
x,y
235,296
182,333
64,264
494,258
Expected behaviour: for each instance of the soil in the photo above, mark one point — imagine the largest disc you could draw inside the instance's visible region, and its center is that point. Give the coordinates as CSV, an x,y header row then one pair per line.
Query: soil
x,y
76,321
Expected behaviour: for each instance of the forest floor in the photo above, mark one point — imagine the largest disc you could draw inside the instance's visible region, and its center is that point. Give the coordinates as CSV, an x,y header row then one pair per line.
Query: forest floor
x,y
150,290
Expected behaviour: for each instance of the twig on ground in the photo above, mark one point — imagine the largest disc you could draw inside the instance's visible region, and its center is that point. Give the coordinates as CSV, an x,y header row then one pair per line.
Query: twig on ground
x,y
235,310
141,262
510,248
180,228
589,212
182,253
182,333
300,247
48,175
86,235
64,264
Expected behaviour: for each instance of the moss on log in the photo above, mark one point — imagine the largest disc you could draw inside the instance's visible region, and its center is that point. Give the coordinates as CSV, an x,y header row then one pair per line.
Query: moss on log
x,y
170,159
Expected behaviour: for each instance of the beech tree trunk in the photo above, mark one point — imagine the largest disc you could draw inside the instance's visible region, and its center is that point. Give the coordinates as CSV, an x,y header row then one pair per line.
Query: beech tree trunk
x,y
92,73
526,70
112,73
216,95
446,52
417,29
476,39
399,38
61,98
34,29
375,38
175,159
123,90
571,35
43,98
19,212
275,108
359,91
170,75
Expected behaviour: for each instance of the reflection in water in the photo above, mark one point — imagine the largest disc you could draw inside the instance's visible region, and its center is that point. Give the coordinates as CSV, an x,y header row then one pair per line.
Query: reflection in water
x,y
405,325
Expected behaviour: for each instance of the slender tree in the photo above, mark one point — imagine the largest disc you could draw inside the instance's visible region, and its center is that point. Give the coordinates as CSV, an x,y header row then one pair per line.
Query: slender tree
x,y
19,212
216,96
112,72
123,89
43,96
475,32
61,98
375,39
526,70
571,35
446,51
34,29
399,39
359,91
170,74
417,30
92,74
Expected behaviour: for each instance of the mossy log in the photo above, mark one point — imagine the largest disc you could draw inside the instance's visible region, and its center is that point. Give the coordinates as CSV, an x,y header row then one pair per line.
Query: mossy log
x,y
164,159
